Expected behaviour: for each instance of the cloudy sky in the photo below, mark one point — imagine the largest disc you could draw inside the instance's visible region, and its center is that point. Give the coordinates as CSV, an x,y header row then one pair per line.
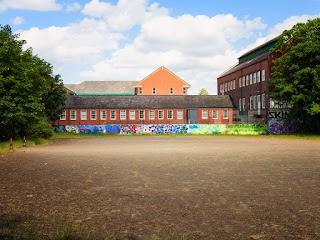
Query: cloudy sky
x,y
129,39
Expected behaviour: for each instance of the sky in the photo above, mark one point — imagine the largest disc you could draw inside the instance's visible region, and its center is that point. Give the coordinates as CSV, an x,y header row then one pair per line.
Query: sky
x,y
129,39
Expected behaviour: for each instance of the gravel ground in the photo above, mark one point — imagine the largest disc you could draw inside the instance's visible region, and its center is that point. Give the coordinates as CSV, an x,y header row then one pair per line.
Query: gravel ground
x,y
199,187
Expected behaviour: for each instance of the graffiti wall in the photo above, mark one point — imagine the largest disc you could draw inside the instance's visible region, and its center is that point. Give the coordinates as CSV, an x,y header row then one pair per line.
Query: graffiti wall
x,y
280,127
125,129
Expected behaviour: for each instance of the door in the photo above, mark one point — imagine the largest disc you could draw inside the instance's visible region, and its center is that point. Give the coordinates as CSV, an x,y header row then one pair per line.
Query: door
x,y
192,116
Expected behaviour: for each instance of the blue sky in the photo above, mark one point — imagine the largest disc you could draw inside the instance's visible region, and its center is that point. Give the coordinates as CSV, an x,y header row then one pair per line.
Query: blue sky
x,y
129,39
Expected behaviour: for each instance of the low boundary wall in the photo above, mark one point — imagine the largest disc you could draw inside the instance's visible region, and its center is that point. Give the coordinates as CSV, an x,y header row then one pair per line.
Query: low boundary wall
x,y
245,129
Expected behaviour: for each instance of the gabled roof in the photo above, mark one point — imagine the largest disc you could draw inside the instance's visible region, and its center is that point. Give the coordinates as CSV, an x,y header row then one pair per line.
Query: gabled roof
x,y
103,88
144,101
162,68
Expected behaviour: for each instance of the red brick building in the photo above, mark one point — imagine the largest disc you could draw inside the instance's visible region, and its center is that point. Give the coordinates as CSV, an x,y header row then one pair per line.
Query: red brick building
x,y
247,84
190,109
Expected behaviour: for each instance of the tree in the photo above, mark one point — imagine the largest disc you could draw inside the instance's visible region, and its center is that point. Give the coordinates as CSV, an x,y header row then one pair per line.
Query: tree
x,y
27,89
203,91
295,73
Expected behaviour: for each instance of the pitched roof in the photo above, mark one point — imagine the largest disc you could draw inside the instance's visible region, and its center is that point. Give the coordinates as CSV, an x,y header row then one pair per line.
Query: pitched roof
x,y
103,87
162,68
158,101
245,64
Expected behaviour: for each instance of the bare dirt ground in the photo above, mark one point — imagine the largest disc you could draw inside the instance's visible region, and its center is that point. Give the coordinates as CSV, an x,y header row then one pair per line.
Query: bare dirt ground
x,y
141,187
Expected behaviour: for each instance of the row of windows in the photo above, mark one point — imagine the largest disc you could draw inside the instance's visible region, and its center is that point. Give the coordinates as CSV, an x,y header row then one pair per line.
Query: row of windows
x,y
215,114
255,102
247,80
171,90
123,114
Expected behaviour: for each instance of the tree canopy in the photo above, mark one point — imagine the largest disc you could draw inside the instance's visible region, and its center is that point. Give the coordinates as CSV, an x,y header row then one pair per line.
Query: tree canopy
x,y
203,91
295,73
30,95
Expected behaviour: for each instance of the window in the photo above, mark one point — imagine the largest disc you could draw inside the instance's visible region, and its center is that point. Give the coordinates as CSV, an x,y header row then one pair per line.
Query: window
x,y
132,115
251,102
140,90
103,114
215,114
171,90
160,114
243,82
243,104
250,78
154,90
263,100
222,89
123,114
83,115
234,84
63,115
240,104
263,75
93,114
258,76
240,82
255,102
226,87
73,115
141,114
184,90
225,114
259,104
170,114
151,114
204,114
247,80
113,115
254,77
179,114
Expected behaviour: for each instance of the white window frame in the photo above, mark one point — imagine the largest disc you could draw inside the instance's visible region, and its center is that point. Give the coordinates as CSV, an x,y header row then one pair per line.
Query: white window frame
x,y
103,115
251,102
258,76
83,115
215,112
93,114
254,77
140,90
250,78
254,102
113,115
204,114
225,114
141,115
123,114
151,115
180,114
132,115
263,75
234,84
73,115
247,80
170,112
240,104
263,101
63,115
154,91
171,90
243,81
240,82
160,114
243,104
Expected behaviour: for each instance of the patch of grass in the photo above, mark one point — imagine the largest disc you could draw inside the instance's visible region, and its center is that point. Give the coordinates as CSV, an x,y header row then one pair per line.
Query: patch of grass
x,y
18,143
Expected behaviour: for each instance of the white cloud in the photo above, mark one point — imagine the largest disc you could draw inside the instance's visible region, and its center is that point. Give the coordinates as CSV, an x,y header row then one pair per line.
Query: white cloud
x,y
79,42
18,21
73,7
125,14
43,5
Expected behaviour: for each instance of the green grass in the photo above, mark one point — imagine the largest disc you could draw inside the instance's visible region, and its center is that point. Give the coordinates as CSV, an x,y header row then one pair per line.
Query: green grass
x,y
18,143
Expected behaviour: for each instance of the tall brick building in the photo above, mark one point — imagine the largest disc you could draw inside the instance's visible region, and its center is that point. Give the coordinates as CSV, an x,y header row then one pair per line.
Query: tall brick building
x,y
247,84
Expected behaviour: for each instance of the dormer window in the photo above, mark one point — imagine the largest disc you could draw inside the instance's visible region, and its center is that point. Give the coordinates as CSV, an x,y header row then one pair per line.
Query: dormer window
x,y
171,91
153,90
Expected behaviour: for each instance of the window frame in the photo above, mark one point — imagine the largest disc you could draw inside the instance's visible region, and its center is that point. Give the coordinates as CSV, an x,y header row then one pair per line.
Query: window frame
x,y
93,114
217,114
113,115
154,91
103,115
160,113
151,116
226,116
204,114
63,115
179,114
170,112
142,115
83,115
73,115
132,115
123,114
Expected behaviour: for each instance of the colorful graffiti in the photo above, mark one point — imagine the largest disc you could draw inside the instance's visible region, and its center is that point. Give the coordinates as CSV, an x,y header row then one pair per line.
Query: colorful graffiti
x,y
125,129
284,128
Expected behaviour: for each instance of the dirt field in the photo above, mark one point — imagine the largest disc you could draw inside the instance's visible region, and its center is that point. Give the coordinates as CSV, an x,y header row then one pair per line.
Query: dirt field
x,y
163,186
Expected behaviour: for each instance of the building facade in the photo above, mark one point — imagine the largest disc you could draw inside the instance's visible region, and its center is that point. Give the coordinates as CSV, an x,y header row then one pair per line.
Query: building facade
x,y
189,109
247,84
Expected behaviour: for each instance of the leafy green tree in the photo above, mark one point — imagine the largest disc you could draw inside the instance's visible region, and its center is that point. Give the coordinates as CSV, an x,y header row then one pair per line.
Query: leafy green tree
x,y
295,73
27,89
203,91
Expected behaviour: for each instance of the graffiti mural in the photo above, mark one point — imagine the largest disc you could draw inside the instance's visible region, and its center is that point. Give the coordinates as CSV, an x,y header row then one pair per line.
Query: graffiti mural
x,y
126,129
278,127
